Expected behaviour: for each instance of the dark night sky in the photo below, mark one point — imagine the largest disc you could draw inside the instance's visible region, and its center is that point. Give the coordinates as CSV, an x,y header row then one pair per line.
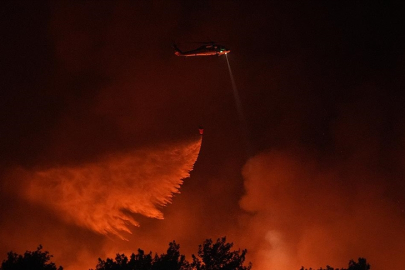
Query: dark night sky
x,y
314,177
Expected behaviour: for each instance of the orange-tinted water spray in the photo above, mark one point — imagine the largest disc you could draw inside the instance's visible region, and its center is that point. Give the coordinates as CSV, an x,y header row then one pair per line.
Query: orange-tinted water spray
x,y
105,194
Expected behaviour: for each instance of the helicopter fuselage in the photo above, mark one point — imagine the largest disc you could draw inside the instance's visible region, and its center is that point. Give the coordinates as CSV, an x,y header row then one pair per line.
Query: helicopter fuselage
x,y
206,50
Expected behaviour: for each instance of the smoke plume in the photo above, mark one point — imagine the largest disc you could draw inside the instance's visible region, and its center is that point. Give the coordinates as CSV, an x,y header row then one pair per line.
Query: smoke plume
x,y
306,208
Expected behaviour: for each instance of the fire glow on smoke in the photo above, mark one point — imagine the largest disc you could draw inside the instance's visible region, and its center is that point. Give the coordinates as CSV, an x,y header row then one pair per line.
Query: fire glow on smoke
x,y
104,195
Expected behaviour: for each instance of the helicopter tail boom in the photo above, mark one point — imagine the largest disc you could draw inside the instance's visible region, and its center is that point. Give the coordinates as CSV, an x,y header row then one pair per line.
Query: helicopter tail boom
x,y
178,51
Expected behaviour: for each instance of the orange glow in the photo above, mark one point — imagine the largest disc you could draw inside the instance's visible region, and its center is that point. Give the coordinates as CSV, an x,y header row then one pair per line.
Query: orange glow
x,y
104,195
303,214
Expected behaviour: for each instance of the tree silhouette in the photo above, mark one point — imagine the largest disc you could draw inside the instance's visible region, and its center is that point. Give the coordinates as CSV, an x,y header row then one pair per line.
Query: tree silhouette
x,y
138,261
218,255
141,261
211,256
172,260
360,265
31,260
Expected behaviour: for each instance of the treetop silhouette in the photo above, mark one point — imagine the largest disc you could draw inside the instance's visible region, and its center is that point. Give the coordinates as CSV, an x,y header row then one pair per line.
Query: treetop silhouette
x,y
210,256
31,260
360,265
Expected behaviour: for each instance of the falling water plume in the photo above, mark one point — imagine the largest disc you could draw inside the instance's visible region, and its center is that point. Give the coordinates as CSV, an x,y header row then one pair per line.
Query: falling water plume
x,y
104,195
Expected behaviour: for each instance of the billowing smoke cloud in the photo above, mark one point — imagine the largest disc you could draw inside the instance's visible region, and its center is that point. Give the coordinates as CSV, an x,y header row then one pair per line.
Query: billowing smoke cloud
x,y
303,214
104,196
306,208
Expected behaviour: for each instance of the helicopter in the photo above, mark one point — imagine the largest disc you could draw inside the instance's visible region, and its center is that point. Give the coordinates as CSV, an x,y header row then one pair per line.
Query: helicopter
x,y
209,48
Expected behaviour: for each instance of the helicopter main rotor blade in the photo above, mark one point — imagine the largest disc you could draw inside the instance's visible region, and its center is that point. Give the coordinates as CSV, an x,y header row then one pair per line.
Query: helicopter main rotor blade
x,y
204,42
